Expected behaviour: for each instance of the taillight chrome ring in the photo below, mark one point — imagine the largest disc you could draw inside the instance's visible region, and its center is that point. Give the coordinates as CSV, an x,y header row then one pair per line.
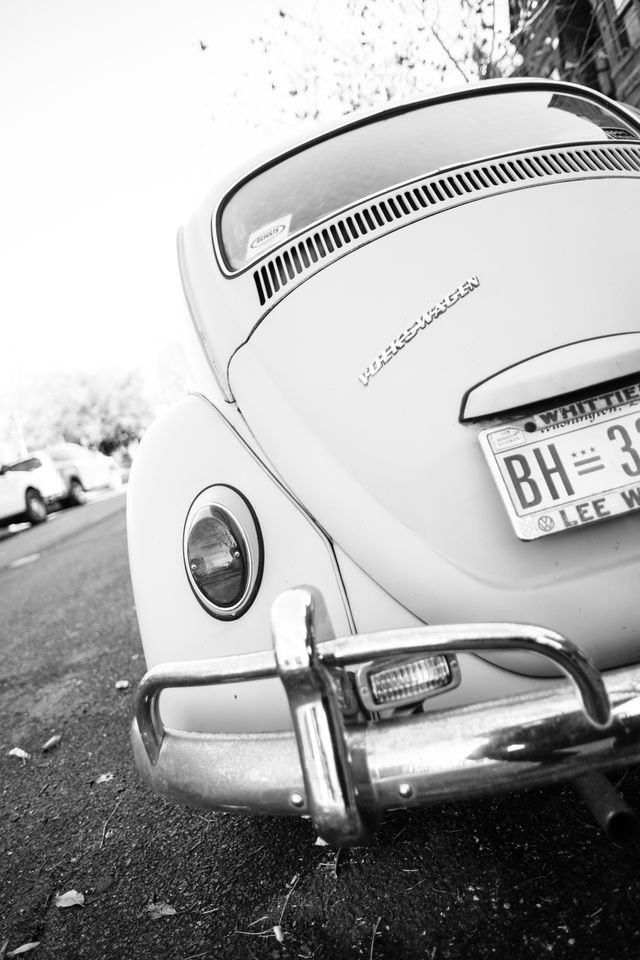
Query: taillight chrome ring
x,y
223,551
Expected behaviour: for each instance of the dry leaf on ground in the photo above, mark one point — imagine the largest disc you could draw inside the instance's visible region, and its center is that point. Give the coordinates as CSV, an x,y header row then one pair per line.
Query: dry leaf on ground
x,y
158,910
25,948
72,898
105,777
51,743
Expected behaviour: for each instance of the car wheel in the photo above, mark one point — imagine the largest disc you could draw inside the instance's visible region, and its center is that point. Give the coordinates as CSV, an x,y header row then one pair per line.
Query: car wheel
x,y
36,508
77,494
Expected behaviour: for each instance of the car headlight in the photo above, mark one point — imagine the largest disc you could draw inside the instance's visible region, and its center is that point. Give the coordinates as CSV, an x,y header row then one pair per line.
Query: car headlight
x,y
223,551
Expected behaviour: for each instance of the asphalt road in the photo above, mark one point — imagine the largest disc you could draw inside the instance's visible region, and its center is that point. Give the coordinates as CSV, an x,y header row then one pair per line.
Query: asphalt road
x,y
511,877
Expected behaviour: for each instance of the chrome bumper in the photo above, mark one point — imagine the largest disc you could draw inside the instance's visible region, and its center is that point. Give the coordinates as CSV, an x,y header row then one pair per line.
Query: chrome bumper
x,y
345,776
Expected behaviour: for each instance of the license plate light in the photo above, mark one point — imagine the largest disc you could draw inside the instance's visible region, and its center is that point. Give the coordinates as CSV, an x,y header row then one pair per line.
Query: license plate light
x,y
405,681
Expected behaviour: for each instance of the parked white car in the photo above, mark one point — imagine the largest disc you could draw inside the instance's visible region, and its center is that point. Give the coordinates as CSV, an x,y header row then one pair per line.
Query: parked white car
x,y
402,499
83,470
28,487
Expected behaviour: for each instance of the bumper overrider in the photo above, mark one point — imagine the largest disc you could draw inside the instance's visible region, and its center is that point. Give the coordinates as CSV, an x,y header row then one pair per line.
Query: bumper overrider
x,y
344,775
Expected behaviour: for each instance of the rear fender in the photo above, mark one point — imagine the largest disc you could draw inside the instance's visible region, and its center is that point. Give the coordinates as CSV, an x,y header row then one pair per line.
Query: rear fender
x,y
190,448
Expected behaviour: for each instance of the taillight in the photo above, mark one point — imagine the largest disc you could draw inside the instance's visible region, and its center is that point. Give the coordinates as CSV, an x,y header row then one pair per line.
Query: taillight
x,y
223,551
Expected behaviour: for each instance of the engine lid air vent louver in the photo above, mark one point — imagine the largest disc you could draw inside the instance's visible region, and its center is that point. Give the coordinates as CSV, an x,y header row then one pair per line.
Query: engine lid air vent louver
x,y
316,247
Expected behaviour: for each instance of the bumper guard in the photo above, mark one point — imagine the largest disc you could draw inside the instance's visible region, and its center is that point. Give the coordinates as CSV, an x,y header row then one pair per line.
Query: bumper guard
x,y
345,776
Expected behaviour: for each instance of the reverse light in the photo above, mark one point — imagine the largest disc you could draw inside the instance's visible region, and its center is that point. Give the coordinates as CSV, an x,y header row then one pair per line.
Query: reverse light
x,y
223,551
405,682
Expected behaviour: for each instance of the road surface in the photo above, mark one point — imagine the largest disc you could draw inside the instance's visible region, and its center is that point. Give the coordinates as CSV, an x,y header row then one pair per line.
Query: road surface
x,y
510,877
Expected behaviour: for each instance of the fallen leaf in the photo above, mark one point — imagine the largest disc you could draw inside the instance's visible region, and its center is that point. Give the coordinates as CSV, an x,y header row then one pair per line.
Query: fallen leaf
x,y
24,948
105,778
72,898
51,742
320,842
158,910
121,684
19,752
279,935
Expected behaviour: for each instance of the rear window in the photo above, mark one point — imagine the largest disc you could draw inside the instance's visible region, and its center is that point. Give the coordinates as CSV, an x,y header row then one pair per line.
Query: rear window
x,y
375,156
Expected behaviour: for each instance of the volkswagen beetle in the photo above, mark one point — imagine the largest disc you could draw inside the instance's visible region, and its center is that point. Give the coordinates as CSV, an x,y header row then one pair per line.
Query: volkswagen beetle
x,y
386,553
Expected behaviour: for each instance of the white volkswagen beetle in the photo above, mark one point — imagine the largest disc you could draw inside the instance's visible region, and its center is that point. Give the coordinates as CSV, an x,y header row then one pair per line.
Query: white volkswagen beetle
x,y
387,552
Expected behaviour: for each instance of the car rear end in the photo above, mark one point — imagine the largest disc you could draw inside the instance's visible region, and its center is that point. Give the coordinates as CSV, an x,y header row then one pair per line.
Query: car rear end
x,y
421,330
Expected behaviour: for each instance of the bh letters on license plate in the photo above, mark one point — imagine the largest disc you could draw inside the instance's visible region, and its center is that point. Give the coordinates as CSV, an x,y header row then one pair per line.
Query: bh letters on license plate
x,y
568,466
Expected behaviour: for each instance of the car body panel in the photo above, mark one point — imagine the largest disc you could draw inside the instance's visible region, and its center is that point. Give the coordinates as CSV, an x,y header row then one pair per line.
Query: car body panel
x,y
224,313
172,622
396,448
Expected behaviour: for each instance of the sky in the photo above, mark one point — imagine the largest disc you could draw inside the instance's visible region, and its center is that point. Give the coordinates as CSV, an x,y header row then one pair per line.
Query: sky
x,y
115,122
113,128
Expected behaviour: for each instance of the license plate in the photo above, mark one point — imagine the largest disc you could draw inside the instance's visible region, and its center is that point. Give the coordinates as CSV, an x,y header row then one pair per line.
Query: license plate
x,y
568,466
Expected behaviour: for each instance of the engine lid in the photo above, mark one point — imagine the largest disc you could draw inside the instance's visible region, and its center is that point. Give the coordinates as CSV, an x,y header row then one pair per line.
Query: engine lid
x,y
354,384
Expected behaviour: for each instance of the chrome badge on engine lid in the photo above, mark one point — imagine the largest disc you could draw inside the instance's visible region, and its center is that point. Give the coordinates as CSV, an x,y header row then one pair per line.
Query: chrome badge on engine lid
x,y
570,465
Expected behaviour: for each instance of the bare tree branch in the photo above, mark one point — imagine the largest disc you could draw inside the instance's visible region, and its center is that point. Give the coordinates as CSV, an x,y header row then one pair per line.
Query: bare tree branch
x,y
449,54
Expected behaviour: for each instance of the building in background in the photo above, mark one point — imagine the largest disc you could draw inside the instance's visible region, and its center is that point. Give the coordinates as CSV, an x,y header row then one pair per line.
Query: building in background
x,y
594,42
